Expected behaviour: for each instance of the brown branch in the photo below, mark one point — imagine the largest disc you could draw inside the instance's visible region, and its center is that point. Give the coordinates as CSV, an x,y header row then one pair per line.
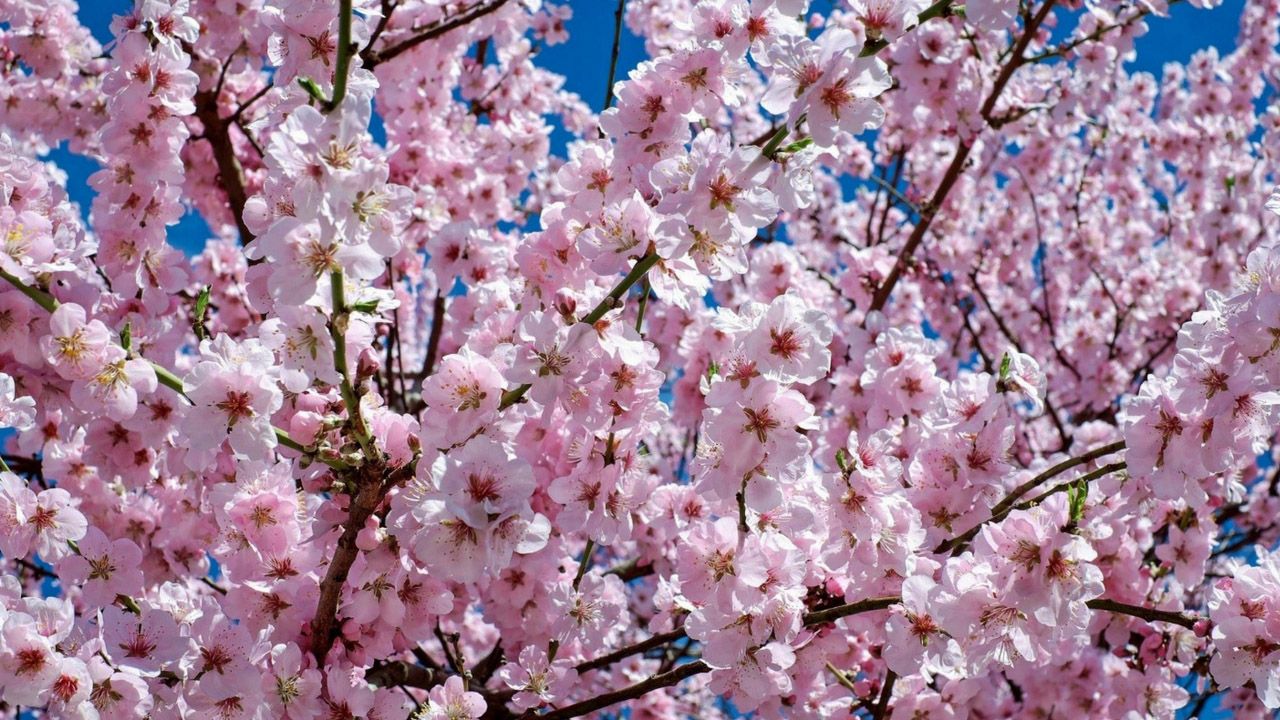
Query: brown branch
x,y
1065,465
613,58
1005,506
630,570
952,174
883,706
831,614
363,503
696,667
666,679
373,58
433,342
230,177
1086,478
1145,613
641,647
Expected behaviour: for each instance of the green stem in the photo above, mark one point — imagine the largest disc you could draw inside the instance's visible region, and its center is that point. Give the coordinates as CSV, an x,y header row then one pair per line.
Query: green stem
x,y
4,466
41,298
614,298
343,64
338,332
170,380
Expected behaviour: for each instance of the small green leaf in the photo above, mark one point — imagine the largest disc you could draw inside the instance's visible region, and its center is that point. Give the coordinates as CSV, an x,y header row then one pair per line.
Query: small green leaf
x,y
798,145
129,604
312,89
1077,494
1005,363
844,461
366,306
126,337
202,306
712,370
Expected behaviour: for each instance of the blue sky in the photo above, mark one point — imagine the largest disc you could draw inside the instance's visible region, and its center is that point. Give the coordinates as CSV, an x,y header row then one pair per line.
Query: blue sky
x,y
584,62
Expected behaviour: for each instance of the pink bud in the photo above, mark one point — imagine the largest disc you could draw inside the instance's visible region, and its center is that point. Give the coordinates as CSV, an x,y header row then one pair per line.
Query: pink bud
x,y
566,304
305,426
368,365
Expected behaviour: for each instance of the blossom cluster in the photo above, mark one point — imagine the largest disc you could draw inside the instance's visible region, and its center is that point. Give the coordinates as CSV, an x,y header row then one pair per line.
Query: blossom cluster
x,y
874,358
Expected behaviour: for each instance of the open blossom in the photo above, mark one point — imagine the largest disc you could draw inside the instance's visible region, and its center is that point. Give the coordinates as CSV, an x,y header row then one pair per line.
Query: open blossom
x,y
116,385
146,643
104,568
234,395
42,522
537,680
477,514
75,346
451,701
464,395
1245,611
790,343
589,612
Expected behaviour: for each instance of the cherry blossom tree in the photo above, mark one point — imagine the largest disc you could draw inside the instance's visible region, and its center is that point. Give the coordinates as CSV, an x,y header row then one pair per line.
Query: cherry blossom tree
x,y
866,358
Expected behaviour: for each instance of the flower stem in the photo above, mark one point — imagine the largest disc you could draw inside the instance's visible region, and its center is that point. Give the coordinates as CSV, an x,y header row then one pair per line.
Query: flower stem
x,y
338,332
343,64
41,298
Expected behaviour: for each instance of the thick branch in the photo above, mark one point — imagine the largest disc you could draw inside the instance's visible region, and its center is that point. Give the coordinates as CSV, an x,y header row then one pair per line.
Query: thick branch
x,y
230,175
363,503
657,682
402,673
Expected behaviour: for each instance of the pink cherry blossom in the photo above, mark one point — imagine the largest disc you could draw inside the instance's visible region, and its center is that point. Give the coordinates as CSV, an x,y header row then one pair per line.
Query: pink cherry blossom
x,y
882,358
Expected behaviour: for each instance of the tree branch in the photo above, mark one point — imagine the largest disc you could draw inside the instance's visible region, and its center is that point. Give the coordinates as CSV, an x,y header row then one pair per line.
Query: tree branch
x,y
372,58
952,174
363,503
1002,509
1144,613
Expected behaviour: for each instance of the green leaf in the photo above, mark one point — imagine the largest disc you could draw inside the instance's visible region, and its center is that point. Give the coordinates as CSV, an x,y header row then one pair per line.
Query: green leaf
x,y
798,145
312,89
844,461
366,306
129,604
1005,363
1077,494
126,337
202,306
